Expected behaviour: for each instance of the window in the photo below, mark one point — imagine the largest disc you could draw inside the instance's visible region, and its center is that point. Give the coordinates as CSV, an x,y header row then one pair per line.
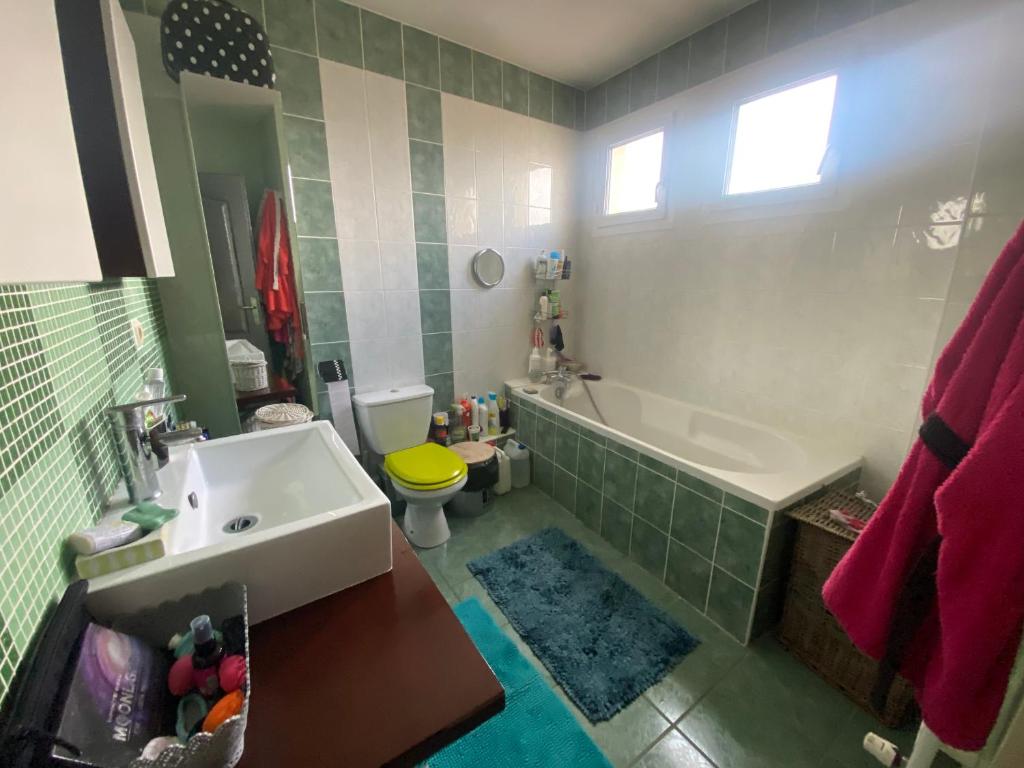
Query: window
x,y
633,188
780,140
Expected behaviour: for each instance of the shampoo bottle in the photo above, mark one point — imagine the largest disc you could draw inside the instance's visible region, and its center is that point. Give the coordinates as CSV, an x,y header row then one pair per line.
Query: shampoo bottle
x,y
536,370
541,270
492,413
482,408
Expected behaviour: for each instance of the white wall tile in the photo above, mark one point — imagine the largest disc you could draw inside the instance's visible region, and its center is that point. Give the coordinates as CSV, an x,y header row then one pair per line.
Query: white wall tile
x,y
398,266
403,313
462,220
488,175
405,360
394,214
360,265
460,171
366,317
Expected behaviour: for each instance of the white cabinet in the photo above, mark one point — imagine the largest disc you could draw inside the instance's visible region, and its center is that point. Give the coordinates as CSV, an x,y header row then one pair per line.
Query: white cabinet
x,y
81,200
43,209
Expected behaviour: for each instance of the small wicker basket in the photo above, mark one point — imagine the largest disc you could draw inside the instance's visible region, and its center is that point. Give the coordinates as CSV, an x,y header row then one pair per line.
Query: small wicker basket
x,y
248,365
810,632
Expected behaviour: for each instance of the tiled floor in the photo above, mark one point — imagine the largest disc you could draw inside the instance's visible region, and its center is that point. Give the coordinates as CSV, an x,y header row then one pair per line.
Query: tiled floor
x,y
723,706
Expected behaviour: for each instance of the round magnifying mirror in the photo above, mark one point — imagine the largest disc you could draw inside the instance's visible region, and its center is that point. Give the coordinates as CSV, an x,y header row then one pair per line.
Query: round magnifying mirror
x,y
488,267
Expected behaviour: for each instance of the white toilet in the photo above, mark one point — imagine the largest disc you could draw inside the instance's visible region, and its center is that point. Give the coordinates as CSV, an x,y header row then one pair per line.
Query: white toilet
x,y
395,423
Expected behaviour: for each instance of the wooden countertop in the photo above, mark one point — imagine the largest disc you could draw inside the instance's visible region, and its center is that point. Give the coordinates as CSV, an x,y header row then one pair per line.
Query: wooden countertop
x,y
380,674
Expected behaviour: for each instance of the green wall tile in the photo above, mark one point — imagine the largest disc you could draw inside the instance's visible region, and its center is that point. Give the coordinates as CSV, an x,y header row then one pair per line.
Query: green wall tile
x,y
421,57
673,68
648,547
791,23
432,265
155,7
768,609
619,479
320,264
564,105
567,449
515,88
581,110
307,147
593,436
289,24
253,7
695,521
617,96
658,466
748,33
565,489
746,508
338,32
688,574
569,424
588,506
382,44
596,101
616,525
779,551
591,462
314,208
298,80
545,437
424,109
543,474
541,90
428,218
437,353
836,14
702,487
456,69
643,83
730,603
525,429
740,542
443,385
134,6
707,53
622,450
426,161
326,315
435,312
654,496
486,79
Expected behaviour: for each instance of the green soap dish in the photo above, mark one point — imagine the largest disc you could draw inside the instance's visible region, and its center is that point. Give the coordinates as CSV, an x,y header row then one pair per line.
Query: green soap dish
x,y
149,516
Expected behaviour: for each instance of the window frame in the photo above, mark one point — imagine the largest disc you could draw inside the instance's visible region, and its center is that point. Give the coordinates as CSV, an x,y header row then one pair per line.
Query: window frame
x,y
825,187
660,211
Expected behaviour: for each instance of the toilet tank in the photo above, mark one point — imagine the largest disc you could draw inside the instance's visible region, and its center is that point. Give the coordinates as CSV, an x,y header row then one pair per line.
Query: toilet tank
x,y
394,419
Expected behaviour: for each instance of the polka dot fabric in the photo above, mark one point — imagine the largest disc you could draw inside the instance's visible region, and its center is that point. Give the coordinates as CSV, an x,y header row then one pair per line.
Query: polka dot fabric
x,y
212,37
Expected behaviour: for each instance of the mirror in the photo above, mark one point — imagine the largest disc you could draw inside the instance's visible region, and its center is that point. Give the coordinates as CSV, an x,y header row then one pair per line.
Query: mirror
x,y
488,267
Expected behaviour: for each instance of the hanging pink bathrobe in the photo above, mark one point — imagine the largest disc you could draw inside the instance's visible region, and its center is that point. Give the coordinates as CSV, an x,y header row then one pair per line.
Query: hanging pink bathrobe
x,y
957,507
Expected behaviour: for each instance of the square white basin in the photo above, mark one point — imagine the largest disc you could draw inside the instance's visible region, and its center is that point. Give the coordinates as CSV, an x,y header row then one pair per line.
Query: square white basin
x,y
288,512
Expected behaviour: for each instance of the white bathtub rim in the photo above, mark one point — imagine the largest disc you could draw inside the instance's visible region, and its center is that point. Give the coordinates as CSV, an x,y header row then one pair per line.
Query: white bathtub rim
x,y
826,463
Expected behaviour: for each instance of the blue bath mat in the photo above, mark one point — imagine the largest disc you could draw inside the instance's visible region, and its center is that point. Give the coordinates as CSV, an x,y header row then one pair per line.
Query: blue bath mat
x,y
603,641
534,729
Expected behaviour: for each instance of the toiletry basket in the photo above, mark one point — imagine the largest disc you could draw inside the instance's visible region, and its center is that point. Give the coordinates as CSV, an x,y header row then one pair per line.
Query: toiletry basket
x,y
248,365
38,694
809,631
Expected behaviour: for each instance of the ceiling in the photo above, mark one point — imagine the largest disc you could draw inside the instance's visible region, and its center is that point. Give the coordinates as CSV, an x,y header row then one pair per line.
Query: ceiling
x,y
579,42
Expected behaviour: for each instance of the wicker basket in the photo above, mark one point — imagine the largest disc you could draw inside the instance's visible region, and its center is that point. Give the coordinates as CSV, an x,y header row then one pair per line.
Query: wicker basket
x,y
810,632
248,365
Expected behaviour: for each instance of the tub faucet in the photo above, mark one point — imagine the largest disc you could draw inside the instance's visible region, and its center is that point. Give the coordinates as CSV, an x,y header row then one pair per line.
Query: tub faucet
x,y
561,378
136,449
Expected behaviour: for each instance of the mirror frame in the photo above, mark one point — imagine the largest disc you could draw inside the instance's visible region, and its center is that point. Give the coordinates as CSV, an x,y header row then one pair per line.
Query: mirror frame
x,y
477,260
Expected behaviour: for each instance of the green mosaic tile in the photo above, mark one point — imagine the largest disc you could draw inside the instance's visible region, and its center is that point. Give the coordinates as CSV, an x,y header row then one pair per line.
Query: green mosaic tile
x,y
688,574
695,521
567,449
654,496
616,525
740,542
382,44
541,98
432,265
486,79
428,218
320,264
437,353
325,313
729,604
338,32
515,88
298,80
289,24
746,508
427,166
564,105
588,506
544,437
543,474
643,83
307,148
591,462
314,208
565,489
456,69
648,547
421,57
619,479
424,110
435,312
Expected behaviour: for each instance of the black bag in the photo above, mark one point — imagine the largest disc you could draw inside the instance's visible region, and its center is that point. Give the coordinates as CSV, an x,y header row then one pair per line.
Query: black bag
x,y
212,37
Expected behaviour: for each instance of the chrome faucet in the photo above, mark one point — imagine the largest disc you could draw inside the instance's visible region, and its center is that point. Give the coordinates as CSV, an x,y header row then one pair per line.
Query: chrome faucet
x,y
561,378
136,446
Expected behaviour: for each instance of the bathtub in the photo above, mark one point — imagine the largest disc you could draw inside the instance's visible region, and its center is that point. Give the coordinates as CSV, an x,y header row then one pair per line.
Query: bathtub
x,y
694,496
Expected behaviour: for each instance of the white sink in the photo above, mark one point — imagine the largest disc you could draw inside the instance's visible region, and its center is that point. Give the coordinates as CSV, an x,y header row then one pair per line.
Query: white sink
x,y
318,524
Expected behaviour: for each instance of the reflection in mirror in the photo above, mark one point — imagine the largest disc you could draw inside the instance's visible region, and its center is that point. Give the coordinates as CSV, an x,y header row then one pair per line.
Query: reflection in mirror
x,y
488,267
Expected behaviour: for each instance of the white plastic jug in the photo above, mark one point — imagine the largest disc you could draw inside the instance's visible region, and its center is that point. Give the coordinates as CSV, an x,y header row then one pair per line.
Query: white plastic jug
x,y
519,458
504,484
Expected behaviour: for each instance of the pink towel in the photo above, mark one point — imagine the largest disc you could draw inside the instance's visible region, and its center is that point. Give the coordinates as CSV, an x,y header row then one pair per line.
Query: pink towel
x,y
961,656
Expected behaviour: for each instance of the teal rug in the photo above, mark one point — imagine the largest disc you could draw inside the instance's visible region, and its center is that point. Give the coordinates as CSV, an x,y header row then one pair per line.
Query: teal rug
x,y
534,729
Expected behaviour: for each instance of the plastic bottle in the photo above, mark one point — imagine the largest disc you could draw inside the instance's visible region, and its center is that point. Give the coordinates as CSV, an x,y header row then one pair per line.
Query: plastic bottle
x,y
550,360
475,413
153,387
554,266
206,655
504,484
492,413
519,457
481,405
541,270
545,308
536,370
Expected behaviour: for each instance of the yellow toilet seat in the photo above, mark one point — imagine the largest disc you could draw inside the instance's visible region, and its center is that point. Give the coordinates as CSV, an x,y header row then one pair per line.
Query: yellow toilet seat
x,y
427,467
